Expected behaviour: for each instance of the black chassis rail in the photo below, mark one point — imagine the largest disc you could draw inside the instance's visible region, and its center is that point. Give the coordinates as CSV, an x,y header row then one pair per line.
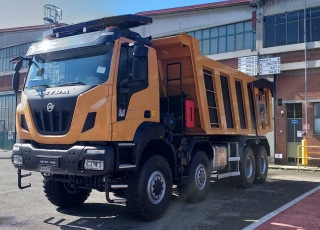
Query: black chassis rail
x,y
63,162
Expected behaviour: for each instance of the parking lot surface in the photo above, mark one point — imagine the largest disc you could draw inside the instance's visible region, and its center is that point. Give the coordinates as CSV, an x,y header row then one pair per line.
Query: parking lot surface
x,y
224,207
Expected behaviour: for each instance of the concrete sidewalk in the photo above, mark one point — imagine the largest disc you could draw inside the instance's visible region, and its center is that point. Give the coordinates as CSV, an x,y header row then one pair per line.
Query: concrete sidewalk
x,y
294,167
5,154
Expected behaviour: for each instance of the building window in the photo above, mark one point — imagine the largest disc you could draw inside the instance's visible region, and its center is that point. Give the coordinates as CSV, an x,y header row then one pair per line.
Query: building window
x,y
6,54
316,117
227,38
288,28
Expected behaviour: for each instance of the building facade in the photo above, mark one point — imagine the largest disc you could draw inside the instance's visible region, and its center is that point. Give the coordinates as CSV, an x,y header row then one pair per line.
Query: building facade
x,y
229,30
13,42
226,31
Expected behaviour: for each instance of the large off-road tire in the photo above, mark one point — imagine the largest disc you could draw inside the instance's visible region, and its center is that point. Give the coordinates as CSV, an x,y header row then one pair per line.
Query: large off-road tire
x,y
150,189
261,166
199,179
62,195
247,170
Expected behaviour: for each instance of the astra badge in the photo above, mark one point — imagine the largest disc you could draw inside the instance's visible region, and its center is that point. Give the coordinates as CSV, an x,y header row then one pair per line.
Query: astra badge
x,y
50,107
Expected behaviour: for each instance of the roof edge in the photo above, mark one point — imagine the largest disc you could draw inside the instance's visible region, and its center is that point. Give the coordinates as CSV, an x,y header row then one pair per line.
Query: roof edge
x,y
194,7
23,28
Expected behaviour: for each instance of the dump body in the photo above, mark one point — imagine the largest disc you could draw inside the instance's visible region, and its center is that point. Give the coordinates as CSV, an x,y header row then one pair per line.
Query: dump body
x,y
225,103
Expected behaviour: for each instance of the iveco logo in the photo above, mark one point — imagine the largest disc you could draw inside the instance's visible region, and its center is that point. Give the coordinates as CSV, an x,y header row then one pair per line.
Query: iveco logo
x,y
50,107
53,92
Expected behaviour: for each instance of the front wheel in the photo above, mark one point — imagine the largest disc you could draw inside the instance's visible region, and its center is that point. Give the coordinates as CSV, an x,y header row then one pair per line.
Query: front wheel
x,y
199,179
63,195
150,189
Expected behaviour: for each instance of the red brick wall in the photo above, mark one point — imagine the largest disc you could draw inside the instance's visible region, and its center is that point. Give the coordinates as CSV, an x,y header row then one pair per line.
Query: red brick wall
x,y
6,82
291,86
298,56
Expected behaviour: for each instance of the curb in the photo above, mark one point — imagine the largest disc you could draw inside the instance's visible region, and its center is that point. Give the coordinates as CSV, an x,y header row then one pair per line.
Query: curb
x,y
295,168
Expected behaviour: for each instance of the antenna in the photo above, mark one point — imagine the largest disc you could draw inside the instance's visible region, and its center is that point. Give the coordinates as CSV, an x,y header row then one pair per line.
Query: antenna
x,y
52,14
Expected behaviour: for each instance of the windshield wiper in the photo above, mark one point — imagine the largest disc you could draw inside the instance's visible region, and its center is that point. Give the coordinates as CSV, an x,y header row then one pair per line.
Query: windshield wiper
x,y
39,86
72,83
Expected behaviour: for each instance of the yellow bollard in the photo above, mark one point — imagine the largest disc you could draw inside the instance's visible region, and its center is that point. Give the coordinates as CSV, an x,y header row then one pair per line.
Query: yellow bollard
x,y
304,151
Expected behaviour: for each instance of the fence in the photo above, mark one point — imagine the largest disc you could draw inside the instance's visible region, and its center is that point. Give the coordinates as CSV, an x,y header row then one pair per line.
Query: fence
x,y
306,158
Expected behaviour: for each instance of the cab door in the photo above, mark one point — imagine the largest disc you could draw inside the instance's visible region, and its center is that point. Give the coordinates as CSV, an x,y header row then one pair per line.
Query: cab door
x,y
136,101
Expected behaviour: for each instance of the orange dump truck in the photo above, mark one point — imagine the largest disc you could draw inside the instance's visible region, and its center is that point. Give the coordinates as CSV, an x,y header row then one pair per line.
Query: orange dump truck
x,y
104,108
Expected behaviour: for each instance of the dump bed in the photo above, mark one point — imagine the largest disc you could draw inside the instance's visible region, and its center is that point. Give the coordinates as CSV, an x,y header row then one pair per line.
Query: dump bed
x,y
225,101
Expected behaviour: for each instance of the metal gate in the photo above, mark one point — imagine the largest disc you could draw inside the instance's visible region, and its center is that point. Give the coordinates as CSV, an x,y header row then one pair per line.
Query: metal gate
x,y
2,134
294,130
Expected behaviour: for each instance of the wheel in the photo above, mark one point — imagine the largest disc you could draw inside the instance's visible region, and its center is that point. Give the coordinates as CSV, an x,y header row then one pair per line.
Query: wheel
x,y
261,166
150,189
247,169
199,179
63,195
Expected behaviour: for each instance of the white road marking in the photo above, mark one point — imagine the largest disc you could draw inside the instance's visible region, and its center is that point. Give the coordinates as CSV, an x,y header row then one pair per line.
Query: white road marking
x,y
284,207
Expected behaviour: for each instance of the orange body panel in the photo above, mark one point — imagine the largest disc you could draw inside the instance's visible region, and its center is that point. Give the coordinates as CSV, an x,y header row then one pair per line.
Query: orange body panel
x,y
182,49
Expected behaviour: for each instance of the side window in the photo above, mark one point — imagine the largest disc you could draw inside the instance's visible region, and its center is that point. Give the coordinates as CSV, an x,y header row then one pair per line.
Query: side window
x,y
124,78
125,65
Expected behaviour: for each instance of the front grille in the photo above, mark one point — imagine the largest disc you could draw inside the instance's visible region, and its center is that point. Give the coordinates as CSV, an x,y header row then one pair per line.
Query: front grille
x,y
56,122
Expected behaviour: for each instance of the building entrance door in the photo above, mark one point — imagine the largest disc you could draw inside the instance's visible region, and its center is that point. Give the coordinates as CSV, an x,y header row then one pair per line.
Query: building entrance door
x,y
294,130
2,134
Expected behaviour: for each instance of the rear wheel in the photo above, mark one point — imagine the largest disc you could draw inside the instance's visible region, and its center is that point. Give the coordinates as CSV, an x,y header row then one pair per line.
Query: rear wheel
x,y
199,179
63,195
150,189
261,166
247,169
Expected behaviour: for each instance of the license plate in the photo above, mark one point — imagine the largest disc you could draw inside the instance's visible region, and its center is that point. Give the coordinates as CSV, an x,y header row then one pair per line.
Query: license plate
x,y
48,161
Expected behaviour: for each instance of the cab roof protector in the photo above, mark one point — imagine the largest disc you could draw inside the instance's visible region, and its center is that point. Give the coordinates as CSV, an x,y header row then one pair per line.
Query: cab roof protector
x,y
123,22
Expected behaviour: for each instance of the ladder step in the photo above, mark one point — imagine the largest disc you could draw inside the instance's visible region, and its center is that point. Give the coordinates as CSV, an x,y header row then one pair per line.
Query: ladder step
x,y
120,200
234,159
119,186
126,144
228,174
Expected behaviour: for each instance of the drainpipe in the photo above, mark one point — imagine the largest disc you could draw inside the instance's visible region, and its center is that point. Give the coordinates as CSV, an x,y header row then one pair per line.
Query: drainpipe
x,y
305,67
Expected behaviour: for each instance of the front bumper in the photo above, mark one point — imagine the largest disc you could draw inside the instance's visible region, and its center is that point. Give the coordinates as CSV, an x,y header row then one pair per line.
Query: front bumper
x,y
63,162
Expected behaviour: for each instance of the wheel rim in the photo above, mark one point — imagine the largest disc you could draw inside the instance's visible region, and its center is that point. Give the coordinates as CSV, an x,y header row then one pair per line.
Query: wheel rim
x,y
156,187
263,165
249,167
201,177
70,189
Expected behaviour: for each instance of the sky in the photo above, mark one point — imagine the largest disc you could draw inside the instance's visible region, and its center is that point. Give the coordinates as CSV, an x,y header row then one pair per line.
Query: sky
x,y
17,13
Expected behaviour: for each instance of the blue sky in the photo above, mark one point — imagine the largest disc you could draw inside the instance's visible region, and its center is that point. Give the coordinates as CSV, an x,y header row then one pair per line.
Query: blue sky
x,y
16,13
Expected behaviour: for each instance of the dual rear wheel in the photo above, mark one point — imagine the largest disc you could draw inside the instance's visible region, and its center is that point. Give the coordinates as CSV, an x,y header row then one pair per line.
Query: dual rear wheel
x,y
199,179
253,168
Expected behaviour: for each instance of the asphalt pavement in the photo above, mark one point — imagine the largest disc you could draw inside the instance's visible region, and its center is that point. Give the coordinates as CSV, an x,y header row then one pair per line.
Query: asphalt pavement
x,y
288,200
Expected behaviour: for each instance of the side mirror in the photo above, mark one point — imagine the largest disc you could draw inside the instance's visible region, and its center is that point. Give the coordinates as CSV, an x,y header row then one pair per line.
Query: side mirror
x,y
17,66
140,51
15,81
139,70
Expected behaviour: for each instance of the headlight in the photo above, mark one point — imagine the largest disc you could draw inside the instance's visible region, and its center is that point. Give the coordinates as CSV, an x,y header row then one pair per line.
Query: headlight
x,y
16,148
94,164
17,159
95,151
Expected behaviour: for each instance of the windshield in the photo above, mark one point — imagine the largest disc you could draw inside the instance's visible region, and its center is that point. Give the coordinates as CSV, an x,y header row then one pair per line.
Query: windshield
x,y
85,66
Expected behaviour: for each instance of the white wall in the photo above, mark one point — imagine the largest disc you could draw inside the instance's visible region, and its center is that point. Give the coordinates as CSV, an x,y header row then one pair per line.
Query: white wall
x,y
280,6
171,24
19,37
